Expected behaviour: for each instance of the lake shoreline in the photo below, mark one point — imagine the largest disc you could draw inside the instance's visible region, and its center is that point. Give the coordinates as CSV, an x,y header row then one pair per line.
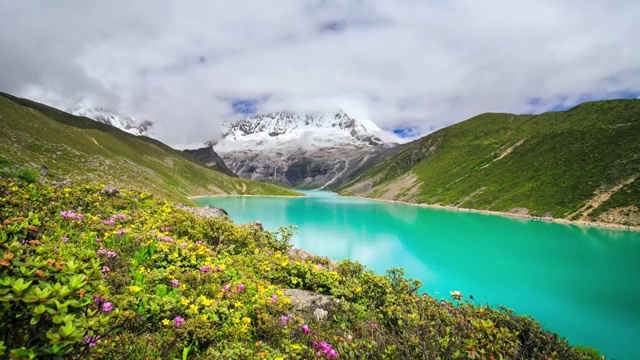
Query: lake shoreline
x,y
581,223
240,195
593,224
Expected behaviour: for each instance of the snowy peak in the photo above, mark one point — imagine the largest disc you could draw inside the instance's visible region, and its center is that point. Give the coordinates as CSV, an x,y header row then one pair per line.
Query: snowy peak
x,y
279,123
279,129
113,118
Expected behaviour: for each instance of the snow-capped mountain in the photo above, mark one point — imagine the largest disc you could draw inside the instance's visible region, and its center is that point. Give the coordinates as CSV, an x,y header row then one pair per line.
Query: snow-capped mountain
x,y
113,118
305,151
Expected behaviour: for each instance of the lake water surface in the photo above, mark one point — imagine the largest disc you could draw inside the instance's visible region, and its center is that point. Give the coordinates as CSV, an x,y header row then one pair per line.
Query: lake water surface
x,y
583,283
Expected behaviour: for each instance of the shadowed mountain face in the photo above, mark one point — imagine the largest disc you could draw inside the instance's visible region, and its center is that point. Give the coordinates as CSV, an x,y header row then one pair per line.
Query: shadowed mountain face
x,y
580,164
211,160
303,151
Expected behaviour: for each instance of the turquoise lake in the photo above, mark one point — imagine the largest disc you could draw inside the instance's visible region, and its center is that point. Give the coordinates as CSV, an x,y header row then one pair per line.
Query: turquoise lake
x,y
583,283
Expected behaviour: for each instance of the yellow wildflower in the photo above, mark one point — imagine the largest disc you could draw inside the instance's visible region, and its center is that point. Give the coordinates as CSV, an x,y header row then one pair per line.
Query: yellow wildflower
x,y
184,302
165,322
134,289
193,309
246,320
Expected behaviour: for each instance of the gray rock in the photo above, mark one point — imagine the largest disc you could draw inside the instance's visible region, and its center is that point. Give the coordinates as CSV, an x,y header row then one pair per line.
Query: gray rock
x,y
63,184
206,211
303,255
44,170
256,225
307,302
110,190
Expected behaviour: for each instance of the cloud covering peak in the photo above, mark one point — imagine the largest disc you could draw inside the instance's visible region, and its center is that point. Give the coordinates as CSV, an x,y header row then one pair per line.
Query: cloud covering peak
x,y
408,64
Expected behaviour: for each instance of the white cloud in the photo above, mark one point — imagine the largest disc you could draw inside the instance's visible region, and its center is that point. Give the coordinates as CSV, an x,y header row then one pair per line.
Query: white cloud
x,y
407,63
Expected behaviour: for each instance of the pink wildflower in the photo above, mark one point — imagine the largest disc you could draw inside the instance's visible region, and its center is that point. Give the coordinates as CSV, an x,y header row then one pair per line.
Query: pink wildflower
x,y
91,341
285,319
274,298
240,287
305,329
178,321
319,266
183,245
64,239
175,283
107,307
111,254
101,251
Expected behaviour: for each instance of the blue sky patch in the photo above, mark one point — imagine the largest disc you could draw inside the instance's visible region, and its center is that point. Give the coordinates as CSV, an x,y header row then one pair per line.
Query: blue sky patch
x,y
407,132
244,107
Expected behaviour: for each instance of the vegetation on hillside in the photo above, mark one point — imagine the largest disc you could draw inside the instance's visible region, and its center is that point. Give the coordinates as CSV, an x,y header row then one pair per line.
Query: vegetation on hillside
x,y
560,164
84,274
78,148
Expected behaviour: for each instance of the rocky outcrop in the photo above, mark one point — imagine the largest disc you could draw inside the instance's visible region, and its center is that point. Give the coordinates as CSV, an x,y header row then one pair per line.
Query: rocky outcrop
x,y
110,190
310,304
211,159
306,169
625,215
206,211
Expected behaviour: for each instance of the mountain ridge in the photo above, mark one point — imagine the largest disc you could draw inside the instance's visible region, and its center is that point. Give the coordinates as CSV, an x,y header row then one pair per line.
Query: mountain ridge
x,y
546,165
303,151
79,148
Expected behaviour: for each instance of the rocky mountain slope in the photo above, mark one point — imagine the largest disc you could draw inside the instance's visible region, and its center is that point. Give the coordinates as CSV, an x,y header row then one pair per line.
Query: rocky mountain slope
x,y
65,146
211,160
580,164
303,151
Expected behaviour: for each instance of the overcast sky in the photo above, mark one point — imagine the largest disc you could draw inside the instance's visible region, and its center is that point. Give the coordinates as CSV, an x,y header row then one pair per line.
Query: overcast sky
x,y
405,64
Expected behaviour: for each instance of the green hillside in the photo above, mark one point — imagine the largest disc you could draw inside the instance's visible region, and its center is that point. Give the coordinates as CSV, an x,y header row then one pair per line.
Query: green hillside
x,y
582,164
83,150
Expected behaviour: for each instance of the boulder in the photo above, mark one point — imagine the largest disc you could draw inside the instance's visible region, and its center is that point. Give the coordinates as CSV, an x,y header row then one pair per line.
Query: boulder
x,y
206,211
62,184
110,190
310,304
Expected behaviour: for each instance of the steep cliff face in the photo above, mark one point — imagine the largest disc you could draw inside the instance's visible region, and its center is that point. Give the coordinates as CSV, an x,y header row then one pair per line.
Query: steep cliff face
x,y
211,160
303,151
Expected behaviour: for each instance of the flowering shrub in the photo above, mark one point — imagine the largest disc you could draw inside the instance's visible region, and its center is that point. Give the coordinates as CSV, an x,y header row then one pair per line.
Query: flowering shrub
x,y
88,275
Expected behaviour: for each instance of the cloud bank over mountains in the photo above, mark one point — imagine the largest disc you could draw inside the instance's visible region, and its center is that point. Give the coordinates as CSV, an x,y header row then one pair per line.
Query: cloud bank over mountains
x,y
409,65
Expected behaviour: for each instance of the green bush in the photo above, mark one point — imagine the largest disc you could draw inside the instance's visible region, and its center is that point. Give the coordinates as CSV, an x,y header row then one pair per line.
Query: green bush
x,y
27,175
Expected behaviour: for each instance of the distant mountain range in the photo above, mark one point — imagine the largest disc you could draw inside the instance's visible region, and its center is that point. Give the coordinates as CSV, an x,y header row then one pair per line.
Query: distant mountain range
x,y
580,164
68,147
303,151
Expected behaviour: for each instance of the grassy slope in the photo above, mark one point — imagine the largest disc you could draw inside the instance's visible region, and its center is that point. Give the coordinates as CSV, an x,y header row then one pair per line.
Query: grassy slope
x,y
564,158
78,148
